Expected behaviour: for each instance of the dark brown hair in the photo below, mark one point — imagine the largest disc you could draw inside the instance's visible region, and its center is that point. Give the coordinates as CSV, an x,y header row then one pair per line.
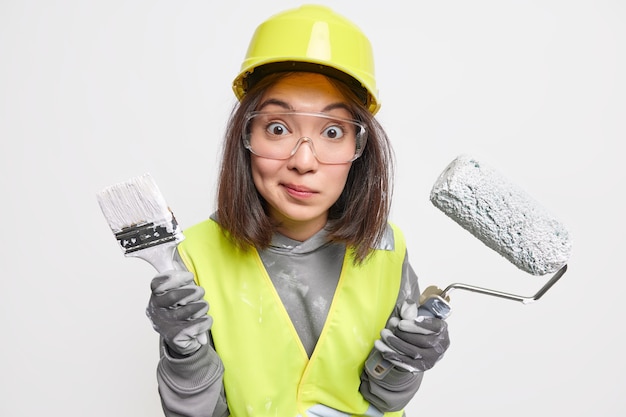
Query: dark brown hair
x,y
359,216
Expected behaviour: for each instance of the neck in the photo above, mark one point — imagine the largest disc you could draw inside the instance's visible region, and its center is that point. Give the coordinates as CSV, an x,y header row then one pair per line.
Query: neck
x,y
300,231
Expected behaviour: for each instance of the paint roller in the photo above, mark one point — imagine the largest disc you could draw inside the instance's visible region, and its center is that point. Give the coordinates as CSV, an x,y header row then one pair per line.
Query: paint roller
x,y
506,219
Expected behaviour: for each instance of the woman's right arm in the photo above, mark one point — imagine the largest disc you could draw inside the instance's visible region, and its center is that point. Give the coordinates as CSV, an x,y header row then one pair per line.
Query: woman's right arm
x,y
192,386
190,372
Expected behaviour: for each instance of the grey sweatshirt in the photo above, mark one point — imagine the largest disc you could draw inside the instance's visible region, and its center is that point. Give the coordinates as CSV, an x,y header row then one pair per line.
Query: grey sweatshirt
x,y
305,275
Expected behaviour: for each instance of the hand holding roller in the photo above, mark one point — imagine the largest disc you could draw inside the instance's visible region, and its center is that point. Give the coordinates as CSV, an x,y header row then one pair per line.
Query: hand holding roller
x,y
504,218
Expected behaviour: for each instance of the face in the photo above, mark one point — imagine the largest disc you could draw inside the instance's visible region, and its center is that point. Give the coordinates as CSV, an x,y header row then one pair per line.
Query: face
x,y
300,190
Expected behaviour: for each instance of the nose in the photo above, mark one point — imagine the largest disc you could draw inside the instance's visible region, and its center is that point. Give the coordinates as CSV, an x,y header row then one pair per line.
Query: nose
x,y
303,158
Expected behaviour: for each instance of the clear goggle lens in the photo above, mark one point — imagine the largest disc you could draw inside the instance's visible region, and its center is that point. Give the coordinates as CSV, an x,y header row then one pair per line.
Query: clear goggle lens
x,y
278,135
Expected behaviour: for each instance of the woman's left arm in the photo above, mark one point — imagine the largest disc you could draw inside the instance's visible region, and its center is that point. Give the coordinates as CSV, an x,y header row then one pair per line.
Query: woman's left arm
x,y
390,387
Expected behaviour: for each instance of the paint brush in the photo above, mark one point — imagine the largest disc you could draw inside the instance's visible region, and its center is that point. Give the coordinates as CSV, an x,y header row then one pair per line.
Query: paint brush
x,y
141,221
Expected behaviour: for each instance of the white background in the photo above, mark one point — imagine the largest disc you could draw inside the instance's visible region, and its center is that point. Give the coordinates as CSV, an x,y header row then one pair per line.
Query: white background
x,y
95,92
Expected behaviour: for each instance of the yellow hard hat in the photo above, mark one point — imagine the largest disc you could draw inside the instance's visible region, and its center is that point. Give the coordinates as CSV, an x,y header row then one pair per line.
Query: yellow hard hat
x,y
311,38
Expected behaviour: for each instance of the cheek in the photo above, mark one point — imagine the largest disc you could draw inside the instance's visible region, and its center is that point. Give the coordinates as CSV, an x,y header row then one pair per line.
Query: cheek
x,y
257,176
262,171
337,178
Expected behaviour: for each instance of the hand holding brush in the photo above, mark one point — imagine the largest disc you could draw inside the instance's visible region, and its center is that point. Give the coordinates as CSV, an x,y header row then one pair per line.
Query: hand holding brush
x,y
178,311
146,228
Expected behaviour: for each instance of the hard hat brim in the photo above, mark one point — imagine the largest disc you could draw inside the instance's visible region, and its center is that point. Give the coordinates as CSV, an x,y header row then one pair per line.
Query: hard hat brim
x,y
249,77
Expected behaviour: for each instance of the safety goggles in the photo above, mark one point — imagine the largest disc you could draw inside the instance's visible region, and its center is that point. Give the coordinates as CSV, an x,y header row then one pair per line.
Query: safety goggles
x,y
278,135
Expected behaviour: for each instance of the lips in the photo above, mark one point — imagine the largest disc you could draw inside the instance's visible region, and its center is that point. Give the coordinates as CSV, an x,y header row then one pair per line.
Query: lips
x,y
299,190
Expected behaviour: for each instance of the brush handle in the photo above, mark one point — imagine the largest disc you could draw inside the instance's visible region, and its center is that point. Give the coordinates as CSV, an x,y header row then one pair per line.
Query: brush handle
x,y
161,256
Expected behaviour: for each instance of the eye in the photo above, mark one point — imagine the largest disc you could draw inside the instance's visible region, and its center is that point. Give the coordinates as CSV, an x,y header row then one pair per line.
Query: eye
x,y
333,132
277,129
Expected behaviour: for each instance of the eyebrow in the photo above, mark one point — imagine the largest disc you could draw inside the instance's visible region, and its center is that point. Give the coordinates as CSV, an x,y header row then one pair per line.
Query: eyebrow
x,y
288,107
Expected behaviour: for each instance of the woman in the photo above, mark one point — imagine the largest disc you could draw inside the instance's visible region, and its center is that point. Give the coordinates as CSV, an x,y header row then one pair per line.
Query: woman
x,y
312,298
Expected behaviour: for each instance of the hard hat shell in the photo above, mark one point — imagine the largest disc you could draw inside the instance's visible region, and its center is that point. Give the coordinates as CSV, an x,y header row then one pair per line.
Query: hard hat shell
x,y
311,38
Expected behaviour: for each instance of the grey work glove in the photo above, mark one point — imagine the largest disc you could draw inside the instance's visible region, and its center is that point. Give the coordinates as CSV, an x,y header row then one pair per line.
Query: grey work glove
x,y
415,343
178,311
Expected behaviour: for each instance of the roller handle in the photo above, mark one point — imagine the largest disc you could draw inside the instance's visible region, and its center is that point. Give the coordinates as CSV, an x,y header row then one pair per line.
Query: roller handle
x,y
432,304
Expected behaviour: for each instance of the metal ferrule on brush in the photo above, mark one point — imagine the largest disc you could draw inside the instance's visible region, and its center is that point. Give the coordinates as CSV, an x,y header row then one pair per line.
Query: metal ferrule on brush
x,y
146,235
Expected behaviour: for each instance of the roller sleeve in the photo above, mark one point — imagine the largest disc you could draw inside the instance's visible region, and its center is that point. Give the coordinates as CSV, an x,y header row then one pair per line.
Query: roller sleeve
x,y
502,216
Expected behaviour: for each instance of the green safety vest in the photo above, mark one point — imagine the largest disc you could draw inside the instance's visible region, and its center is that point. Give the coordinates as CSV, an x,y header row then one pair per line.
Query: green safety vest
x,y
267,370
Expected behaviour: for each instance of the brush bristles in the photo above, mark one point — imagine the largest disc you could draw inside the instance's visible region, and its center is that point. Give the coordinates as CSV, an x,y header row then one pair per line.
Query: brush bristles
x,y
136,201
138,214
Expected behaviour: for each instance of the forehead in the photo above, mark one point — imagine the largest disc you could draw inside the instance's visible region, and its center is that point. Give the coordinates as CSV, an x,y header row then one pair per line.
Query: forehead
x,y
309,92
